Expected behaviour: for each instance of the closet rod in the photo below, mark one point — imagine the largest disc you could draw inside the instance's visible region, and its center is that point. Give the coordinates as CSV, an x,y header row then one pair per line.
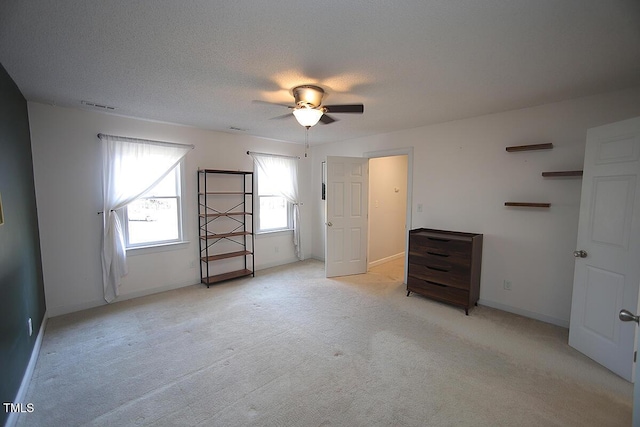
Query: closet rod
x,y
126,138
273,155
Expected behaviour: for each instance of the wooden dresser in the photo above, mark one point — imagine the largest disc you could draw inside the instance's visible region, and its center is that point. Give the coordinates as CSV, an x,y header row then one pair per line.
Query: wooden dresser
x,y
445,266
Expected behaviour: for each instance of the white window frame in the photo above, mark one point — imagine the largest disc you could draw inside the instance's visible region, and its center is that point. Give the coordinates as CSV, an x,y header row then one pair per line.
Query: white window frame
x,y
124,216
288,227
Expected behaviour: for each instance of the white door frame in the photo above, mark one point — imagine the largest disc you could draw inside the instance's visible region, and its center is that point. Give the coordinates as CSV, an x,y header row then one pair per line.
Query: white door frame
x,y
408,151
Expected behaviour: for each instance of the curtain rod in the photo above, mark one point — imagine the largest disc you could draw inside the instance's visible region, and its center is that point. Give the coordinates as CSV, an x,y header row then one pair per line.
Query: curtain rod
x,y
273,155
126,138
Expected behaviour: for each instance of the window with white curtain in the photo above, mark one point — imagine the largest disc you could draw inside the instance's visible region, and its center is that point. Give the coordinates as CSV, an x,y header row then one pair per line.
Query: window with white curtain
x,y
278,199
275,213
131,169
155,218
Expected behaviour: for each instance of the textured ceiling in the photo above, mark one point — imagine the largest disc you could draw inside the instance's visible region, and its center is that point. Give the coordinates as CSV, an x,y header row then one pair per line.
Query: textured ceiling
x,y
412,63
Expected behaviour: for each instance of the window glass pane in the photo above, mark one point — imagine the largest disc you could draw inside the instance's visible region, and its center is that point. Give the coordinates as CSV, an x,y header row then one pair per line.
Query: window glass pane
x,y
153,220
273,213
265,187
166,187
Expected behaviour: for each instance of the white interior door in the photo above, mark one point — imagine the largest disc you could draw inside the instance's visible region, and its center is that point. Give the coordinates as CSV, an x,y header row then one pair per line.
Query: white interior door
x,y
607,273
347,193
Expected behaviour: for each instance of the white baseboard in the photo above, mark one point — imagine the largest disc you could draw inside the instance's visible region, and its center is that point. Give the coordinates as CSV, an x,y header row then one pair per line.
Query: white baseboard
x,y
12,419
66,309
526,313
151,291
387,259
276,263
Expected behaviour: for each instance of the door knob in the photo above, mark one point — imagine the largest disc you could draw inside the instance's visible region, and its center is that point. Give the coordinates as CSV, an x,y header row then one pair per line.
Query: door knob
x,y
580,254
329,224
627,316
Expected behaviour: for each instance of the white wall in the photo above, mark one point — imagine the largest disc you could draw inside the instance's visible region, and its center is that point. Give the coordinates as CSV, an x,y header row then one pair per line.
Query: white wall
x,y
67,169
463,175
387,207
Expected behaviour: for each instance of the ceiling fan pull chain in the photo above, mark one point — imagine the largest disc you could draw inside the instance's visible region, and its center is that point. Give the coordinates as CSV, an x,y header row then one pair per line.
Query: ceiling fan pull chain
x,y
306,140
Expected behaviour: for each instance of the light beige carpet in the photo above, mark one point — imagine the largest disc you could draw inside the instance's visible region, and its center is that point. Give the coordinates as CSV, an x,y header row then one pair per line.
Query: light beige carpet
x,y
292,348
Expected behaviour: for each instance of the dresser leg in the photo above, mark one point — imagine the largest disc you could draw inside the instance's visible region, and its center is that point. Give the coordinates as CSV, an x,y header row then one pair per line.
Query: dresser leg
x,y
466,311
408,292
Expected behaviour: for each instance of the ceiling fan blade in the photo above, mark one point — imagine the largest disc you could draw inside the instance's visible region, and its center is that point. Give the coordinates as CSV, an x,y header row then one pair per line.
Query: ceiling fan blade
x,y
284,116
257,101
325,119
346,108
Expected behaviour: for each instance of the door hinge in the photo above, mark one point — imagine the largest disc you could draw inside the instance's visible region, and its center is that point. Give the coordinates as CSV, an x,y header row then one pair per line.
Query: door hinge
x,y
635,356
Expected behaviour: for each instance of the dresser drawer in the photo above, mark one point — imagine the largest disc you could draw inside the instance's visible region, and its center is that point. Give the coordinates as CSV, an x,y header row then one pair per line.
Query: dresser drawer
x,y
441,246
438,291
435,257
454,275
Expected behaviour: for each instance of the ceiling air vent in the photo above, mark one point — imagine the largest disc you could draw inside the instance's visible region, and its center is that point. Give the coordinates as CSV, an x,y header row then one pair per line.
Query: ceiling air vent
x,y
100,106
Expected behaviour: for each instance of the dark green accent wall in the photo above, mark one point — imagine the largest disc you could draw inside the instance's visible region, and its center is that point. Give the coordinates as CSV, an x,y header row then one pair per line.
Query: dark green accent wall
x,y
21,283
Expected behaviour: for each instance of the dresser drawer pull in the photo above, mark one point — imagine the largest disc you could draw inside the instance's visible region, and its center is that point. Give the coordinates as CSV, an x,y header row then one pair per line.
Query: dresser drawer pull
x,y
437,284
438,239
438,268
437,254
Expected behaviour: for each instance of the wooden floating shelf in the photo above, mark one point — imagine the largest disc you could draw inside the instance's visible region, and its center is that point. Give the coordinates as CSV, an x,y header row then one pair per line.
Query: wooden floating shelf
x,y
532,147
527,205
562,174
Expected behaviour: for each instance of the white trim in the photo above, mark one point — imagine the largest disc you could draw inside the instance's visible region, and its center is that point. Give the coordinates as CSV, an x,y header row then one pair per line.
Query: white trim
x,y
277,263
12,419
387,259
161,247
66,309
152,291
261,234
179,197
526,313
289,226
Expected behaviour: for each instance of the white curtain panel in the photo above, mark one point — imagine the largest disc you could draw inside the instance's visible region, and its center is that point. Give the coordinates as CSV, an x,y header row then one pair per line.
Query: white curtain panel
x,y
282,173
130,167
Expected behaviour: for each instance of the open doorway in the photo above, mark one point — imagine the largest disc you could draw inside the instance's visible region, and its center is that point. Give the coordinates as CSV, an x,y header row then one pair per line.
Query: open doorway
x,y
389,207
347,211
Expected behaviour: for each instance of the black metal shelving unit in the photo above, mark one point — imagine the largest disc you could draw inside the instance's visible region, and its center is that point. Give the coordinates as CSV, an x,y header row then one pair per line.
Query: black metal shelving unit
x,y
225,220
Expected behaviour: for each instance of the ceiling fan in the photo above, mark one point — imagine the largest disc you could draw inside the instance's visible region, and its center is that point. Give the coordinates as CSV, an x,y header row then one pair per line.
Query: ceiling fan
x,y
309,109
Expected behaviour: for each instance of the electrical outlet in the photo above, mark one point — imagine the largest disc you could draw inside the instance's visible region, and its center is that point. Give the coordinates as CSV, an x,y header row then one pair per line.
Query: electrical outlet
x,y
30,324
507,285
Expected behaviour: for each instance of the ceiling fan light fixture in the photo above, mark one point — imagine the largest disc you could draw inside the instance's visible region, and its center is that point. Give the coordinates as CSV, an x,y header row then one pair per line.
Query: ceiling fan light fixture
x,y
307,117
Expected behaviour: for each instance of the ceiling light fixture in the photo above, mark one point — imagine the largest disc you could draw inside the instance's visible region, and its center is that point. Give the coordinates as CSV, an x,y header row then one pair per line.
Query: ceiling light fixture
x,y
307,117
